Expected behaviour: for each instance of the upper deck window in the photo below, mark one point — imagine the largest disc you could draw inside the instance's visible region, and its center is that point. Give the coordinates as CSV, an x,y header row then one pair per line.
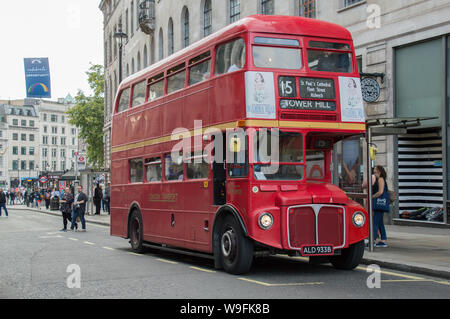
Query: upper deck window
x,y
321,58
124,101
277,58
156,87
176,82
230,57
138,94
200,69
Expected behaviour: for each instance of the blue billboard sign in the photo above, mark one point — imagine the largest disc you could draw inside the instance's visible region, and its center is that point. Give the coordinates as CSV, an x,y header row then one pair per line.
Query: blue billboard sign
x,y
37,77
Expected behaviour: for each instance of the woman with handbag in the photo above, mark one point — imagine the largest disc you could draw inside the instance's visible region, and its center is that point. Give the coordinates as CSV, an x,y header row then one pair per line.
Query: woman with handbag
x,y
380,204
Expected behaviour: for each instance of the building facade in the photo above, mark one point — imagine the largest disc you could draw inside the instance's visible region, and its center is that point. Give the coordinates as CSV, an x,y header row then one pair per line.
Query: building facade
x,y
35,140
403,45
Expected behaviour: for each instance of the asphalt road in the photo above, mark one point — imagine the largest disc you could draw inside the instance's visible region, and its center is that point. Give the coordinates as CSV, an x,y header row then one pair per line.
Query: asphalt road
x,y
38,261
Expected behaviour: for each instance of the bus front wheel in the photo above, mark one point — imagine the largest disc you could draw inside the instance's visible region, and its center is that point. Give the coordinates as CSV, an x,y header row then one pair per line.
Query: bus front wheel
x,y
235,250
136,232
350,257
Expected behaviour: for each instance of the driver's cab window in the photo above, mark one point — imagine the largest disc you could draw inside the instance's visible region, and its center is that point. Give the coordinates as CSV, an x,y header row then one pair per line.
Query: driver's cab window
x,y
237,155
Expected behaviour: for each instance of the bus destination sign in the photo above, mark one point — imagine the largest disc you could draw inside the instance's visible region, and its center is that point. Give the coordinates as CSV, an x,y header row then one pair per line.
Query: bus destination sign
x,y
316,88
308,105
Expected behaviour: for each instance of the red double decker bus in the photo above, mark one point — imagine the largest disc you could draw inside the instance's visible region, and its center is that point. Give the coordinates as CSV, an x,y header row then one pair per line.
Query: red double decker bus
x,y
189,134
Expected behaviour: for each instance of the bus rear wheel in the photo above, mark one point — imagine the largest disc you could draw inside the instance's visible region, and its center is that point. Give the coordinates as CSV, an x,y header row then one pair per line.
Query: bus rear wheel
x,y
136,232
350,257
236,250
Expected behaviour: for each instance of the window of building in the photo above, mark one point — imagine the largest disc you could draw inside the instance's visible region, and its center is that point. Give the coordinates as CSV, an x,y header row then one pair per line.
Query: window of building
x,y
31,123
31,151
161,44
31,137
124,100
138,94
15,136
23,150
308,8
54,151
136,171
44,152
44,117
173,168
348,3
15,122
15,150
267,7
207,18
230,56
63,130
15,165
54,118
156,87
200,69
235,10
170,37
63,153
185,23
53,165
23,165
153,169
54,130
31,165
45,140
45,129
23,137
23,122
54,140
63,141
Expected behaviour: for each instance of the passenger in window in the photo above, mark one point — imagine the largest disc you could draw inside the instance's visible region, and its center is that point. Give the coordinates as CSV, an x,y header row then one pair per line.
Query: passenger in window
x,y
236,66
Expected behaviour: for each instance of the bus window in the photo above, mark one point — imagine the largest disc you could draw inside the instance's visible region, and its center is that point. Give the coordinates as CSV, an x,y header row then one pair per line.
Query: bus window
x,y
136,171
230,57
199,72
153,169
138,94
124,101
268,157
197,166
315,168
276,57
173,169
176,82
329,61
237,155
156,87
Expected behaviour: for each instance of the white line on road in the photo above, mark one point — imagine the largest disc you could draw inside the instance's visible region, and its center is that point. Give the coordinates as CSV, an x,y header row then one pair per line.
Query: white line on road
x,y
58,236
202,269
167,261
88,243
74,239
108,248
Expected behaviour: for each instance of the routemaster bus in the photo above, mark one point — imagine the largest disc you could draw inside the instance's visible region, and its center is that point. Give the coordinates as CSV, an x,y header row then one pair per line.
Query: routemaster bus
x,y
188,132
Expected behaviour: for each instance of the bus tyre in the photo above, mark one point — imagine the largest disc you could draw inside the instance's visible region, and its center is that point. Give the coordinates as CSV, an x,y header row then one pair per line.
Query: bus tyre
x,y
235,249
136,232
350,257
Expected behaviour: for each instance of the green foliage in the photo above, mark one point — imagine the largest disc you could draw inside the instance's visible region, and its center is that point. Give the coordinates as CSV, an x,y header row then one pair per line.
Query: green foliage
x,y
88,116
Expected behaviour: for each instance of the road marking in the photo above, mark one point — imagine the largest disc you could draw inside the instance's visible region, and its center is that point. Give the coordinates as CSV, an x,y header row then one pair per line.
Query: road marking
x,y
384,272
167,261
88,243
58,236
108,248
202,269
131,253
282,284
74,239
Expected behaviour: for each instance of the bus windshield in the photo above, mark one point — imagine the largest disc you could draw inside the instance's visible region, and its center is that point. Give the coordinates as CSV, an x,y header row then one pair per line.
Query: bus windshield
x,y
320,59
278,162
277,58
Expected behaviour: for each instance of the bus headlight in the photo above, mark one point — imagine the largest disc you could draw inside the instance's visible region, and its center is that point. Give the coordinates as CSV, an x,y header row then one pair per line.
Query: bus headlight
x,y
265,221
359,219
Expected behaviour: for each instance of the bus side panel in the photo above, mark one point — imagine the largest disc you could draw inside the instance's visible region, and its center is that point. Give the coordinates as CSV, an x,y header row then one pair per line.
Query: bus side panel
x,y
196,104
228,98
172,115
118,202
238,196
120,125
197,198
137,126
153,126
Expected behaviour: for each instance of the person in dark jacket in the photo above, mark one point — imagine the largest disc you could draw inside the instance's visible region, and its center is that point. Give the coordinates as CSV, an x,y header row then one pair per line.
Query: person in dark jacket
x,y
79,208
98,195
66,202
3,202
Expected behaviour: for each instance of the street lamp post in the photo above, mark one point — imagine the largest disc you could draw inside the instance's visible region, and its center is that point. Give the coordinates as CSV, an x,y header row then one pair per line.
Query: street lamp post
x,y
120,36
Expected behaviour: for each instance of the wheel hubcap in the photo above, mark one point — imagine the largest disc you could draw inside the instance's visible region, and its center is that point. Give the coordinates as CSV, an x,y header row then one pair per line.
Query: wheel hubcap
x,y
229,244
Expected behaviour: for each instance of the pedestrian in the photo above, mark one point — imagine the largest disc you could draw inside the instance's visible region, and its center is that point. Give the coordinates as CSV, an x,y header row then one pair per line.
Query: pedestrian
x,y
66,202
107,197
380,204
12,197
3,202
47,198
98,199
79,208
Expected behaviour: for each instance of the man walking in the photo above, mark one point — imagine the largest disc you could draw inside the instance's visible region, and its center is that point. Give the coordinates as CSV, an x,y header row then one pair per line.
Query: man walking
x,y
3,202
98,199
79,208
66,202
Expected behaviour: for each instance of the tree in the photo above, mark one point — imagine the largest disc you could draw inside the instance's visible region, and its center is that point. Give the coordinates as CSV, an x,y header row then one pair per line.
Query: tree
x,y
88,116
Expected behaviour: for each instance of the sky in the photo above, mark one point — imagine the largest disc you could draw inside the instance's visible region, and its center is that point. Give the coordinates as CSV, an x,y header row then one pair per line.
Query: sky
x,y
68,32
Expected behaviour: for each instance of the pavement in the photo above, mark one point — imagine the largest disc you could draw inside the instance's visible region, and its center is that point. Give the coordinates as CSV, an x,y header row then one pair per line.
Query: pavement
x,y
421,250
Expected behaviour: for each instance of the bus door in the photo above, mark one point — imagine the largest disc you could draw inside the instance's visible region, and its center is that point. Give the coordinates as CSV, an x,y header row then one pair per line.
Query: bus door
x,y
219,173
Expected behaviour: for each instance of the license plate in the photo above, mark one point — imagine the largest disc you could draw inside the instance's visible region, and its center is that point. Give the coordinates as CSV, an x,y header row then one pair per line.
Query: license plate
x,y
321,250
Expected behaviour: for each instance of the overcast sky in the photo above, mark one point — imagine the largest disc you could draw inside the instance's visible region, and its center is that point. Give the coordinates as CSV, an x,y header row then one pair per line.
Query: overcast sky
x,y
68,32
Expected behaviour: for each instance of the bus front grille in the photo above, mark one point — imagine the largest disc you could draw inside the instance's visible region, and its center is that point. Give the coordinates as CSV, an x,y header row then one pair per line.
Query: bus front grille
x,y
316,225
